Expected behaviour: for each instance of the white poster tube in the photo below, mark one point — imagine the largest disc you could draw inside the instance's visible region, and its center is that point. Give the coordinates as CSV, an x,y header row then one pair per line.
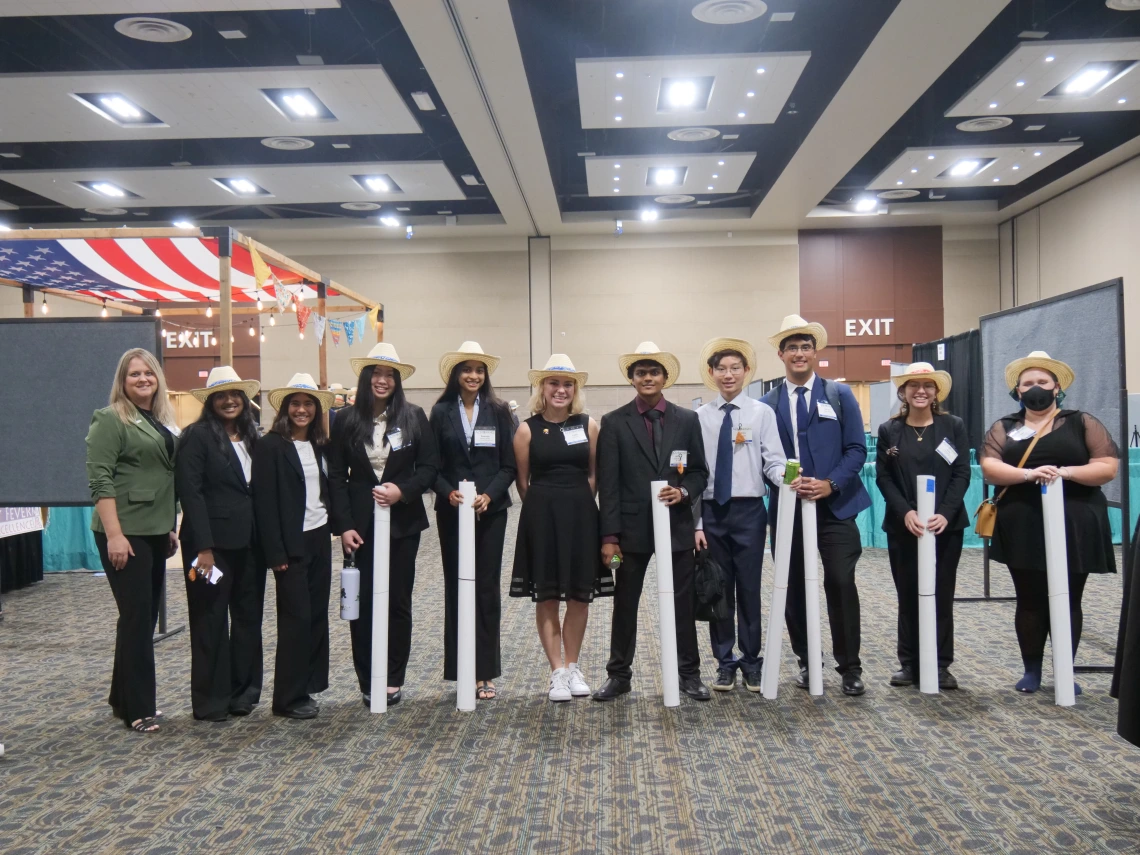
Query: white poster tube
x,y
1057,569
465,637
381,547
773,648
927,613
811,590
663,549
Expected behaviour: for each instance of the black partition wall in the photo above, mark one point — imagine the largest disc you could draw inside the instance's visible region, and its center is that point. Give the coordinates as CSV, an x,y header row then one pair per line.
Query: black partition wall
x,y
961,356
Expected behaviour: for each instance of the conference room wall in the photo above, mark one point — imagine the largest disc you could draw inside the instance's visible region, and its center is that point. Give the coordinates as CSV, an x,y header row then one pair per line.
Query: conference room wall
x,y
12,306
1080,238
970,276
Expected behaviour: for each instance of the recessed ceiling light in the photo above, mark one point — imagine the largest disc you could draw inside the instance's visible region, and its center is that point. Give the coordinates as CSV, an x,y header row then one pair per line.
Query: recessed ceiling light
x,y
617,166
242,187
617,97
964,167
760,70
930,157
182,224
684,95
617,178
377,183
1086,79
750,94
969,167
913,171
617,118
1121,100
740,115
710,187
619,75
117,108
108,190
617,189
665,176
1036,154
993,105
648,215
1021,83
390,221
899,182
1049,58
470,179
996,180
1016,167
299,105
866,204
715,175
720,163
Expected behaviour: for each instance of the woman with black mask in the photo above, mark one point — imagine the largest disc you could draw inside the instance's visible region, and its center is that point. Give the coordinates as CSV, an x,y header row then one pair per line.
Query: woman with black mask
x,y
1067,444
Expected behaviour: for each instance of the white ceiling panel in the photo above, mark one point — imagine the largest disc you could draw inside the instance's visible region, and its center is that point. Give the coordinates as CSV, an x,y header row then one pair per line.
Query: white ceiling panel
x,y
628,176
193,186
33,8
202,104
1040,67
919,168
735,75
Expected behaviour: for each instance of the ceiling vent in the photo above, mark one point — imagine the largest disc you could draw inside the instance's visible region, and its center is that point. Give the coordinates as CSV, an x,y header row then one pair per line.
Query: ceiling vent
x,y
898,194
675,199
729,11
986,123
287,143
106,212
152,30
694,134
360,206
1118,5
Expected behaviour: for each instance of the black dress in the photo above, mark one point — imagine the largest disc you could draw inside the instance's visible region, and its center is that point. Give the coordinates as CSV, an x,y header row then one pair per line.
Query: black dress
x,y
1019,536
557,551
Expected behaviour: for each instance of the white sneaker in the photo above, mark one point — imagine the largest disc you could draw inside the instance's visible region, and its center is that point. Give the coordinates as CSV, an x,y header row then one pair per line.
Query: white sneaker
x,y
578,686
560,685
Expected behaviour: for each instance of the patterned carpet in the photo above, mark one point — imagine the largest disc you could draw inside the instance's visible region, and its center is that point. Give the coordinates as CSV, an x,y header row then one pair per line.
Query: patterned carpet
x,y
981,770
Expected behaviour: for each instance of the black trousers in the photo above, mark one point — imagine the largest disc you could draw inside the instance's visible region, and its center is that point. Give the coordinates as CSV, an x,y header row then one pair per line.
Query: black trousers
x,y
138,593
225,632
302,665
902,549
490,531
401,580
735,533
839,549
628,582
1031,616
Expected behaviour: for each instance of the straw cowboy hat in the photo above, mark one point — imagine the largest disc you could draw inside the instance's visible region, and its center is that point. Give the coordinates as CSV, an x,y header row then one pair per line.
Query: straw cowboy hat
x,y
559,365
795,325
223,379
925,371
1039,359
647,350
383,354
469,350
301,383
713,345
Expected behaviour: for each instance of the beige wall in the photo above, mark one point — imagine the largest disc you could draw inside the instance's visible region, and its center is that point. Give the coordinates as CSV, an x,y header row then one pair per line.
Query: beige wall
x,y
1085,236
12,306
970,277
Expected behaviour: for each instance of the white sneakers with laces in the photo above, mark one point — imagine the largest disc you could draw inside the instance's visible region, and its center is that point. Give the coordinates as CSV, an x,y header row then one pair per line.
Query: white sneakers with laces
x,y
578,686
560,685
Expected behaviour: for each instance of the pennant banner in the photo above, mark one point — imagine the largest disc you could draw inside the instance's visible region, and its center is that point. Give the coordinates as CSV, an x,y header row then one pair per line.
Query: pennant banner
x,y
350,332
374,316
335,329
303,313
319,327
282,294
359,323
261,271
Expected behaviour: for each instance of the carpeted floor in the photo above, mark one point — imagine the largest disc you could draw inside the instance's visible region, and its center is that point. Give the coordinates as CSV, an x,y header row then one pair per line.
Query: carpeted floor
x,y
983,769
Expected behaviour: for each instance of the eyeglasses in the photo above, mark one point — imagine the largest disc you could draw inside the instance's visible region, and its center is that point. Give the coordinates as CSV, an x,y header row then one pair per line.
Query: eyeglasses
x,y
728,369
799,348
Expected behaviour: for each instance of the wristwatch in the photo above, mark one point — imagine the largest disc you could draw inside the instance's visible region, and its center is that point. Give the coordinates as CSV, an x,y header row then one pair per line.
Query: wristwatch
x,y
684,494
834,486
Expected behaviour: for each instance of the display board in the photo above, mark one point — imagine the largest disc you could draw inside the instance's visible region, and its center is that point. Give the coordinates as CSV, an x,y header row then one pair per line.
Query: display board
x,y
1083,328
54,373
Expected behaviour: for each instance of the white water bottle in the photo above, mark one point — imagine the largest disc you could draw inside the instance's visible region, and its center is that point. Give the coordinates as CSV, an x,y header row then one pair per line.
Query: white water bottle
x,y
349,590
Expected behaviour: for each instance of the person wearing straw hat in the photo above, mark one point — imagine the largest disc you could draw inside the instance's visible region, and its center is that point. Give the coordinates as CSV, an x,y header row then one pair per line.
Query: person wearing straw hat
x,y
292,503
742,448
556,549
222,566
649,439
1062,443
923,439
474,433
382,452
821,426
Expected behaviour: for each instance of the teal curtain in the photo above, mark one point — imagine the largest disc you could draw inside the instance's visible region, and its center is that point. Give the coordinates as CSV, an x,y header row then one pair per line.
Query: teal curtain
x,y
68,541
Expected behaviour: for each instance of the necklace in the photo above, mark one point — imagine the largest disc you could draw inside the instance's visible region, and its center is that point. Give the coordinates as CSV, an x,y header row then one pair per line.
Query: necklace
x,y
919,434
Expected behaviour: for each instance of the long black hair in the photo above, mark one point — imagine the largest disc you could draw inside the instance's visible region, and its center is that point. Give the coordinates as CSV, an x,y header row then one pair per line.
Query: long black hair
x,y
358,419
282,427
486,393
246,424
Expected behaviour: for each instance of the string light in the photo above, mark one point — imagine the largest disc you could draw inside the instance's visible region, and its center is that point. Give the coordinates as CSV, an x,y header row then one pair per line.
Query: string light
x,y
209,311
259,304
301,335
103,313
252,331
44,308
272,321
158,313
263,338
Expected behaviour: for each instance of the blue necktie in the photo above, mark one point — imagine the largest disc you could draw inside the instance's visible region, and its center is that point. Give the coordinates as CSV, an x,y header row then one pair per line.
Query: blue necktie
x,y
722,477
807,465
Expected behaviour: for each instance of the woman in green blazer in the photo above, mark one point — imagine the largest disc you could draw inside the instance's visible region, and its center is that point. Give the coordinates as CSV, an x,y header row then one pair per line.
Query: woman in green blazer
x,y
130,469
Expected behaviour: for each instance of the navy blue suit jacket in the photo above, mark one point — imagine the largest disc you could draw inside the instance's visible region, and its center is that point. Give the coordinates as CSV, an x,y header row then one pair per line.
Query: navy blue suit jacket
x,y
838,446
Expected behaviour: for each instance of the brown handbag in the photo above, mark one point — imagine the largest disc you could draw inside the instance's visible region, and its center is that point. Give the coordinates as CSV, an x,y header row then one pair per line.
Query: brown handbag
x,y
985,517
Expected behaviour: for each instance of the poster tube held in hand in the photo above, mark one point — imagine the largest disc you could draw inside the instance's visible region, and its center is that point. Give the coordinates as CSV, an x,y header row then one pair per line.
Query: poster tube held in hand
x,y
927,614
381,544
1057,570
811,589
465,650
663,549
773,648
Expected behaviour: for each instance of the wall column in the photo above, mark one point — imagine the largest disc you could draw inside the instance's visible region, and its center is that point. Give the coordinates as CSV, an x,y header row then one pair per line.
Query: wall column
x,y
541,322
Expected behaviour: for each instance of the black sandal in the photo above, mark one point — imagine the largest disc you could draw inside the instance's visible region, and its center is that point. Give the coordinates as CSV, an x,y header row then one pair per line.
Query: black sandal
x,y
486,692
145,725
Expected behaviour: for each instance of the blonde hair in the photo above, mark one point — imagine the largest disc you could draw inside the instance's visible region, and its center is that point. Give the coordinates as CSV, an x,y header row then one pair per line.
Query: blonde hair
x,y
123,406
537,403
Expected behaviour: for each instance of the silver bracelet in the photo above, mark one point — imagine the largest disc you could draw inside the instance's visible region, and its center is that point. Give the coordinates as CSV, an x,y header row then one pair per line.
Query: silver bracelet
x,y
1027,474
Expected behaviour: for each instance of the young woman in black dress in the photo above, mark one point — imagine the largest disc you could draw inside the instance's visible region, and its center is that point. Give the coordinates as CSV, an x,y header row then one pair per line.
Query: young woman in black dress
x,y
1073,446
556,551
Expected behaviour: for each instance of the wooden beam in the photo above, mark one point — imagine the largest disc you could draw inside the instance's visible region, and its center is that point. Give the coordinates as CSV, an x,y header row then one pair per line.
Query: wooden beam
x,y
322,346
353,295
93,234
226,320
170,310
79,298
270,254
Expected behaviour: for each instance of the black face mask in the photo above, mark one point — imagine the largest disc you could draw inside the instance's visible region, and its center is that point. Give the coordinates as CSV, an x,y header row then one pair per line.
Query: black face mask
x,y
1037,398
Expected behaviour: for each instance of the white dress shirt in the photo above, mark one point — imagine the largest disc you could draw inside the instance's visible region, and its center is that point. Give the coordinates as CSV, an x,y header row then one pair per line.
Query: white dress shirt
x,y
791,387
469,423
751,461
244,458
316,515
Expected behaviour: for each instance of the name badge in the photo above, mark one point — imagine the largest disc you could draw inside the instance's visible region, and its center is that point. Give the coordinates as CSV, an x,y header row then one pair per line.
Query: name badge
x,y
1023,432
826,411
396,439
742,435
575,436
948,452
679,458
484,437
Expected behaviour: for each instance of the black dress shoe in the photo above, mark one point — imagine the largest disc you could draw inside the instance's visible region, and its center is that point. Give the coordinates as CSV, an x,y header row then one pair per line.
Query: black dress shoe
x,y
902,677
301,711
612,688
946,680
853,684
395,697
220,716
725,679
695,689
802,679
241,708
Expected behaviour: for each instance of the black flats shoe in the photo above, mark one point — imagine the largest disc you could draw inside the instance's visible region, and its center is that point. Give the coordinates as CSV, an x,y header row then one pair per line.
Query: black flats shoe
x,y
393,698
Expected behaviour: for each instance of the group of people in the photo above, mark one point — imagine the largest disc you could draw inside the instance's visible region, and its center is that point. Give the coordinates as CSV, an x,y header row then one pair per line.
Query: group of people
x,y
253,503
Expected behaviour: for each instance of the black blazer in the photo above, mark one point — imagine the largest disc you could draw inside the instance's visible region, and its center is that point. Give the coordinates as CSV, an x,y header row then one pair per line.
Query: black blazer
x,y
950,480
492,469
279,498
217,504
412,468
626,465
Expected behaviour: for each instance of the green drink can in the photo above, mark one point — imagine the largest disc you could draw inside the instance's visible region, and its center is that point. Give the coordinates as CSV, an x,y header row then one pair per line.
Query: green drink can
x,y
791,471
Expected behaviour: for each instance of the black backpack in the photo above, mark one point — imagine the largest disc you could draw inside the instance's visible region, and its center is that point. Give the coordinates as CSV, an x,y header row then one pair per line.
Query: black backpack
x,y
709,589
